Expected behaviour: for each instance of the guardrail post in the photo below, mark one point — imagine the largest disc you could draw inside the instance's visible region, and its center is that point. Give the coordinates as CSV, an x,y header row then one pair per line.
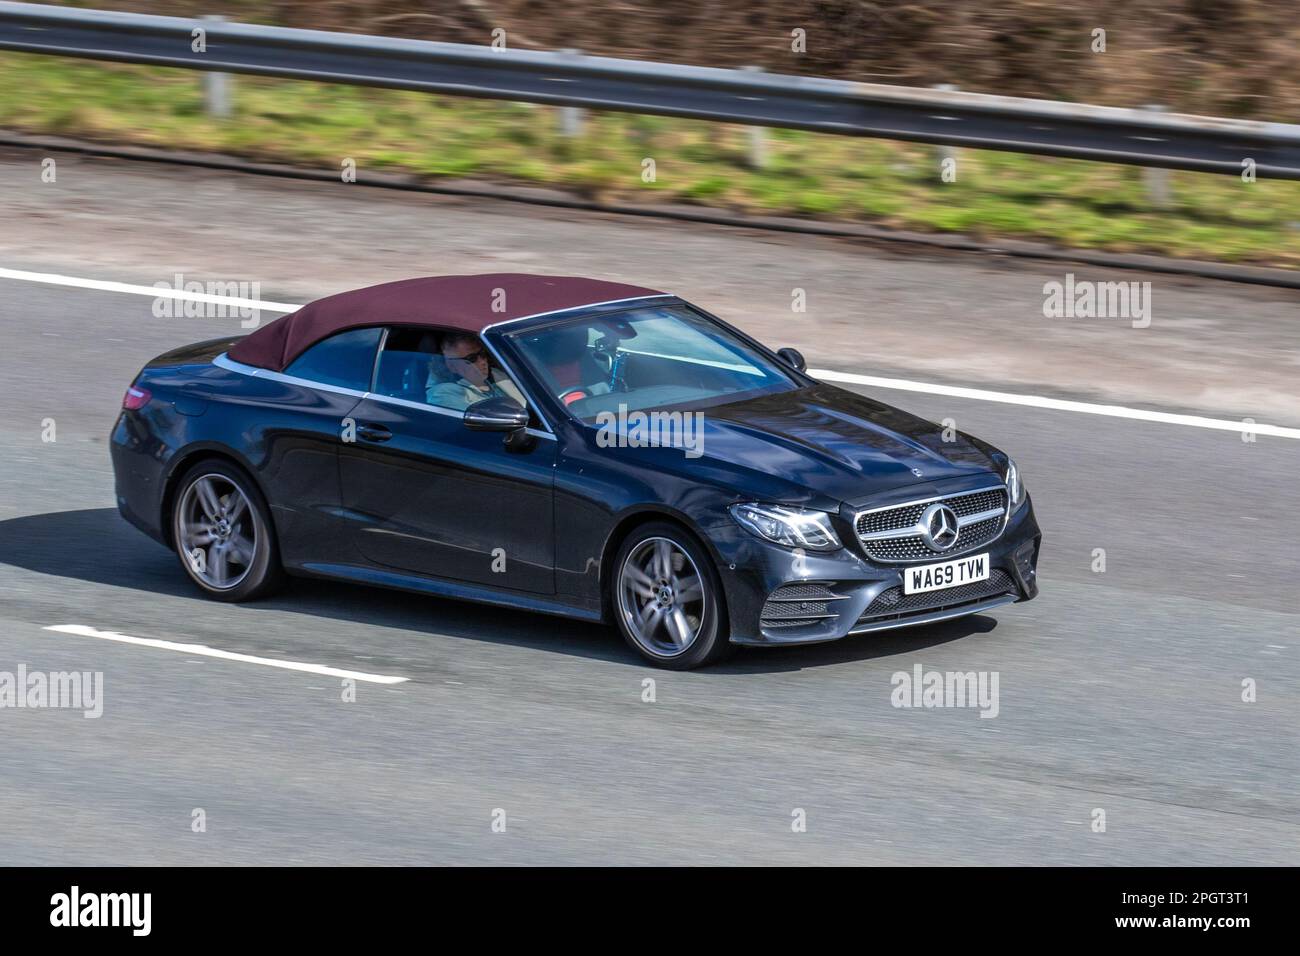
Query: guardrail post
x,y
757,136
216,88
571,117
1156,179
944,152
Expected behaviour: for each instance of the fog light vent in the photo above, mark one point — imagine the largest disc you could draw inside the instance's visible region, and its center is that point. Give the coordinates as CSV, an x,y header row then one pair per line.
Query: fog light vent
x,y
798,605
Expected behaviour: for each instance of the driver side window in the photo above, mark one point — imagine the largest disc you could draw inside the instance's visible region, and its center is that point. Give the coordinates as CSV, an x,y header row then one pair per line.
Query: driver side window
x,y
407,362
444,368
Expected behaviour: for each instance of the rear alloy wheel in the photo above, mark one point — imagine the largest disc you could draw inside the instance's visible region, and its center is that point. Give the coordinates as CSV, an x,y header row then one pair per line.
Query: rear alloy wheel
x,y
668,599
223,535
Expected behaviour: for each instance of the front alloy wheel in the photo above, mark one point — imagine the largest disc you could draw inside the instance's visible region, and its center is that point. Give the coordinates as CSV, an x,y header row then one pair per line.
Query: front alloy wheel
x,y
668,600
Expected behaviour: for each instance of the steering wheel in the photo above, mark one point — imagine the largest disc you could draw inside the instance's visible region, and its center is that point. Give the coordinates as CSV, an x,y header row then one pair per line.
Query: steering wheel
x,y
571,395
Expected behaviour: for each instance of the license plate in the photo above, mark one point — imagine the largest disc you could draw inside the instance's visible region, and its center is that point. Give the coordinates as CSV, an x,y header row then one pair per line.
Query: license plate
x,y
946,574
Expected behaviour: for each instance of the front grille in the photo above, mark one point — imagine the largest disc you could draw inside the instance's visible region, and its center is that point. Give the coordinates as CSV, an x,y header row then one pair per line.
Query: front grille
x,y
974,503
908,544
893,603
798,605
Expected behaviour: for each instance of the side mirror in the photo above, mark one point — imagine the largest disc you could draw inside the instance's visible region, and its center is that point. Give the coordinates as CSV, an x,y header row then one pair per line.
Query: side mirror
x,y
792,357
496,415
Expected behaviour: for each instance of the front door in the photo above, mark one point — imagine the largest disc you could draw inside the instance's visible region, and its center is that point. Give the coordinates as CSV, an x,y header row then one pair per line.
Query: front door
x,y
426,494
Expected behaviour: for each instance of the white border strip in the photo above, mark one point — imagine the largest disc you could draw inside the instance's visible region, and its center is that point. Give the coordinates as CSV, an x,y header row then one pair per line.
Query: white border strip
x,y
156,292
1060,404
203,650
851,378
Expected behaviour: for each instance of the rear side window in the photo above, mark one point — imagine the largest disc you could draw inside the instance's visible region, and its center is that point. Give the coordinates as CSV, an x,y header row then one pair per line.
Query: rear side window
x,y
345,360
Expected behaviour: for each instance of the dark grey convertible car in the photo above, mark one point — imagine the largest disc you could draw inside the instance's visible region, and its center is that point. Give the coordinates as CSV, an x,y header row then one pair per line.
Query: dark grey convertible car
x,y
568,446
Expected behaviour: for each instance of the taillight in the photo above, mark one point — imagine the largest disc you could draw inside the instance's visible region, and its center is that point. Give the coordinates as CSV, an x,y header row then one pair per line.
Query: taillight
x,y
136,397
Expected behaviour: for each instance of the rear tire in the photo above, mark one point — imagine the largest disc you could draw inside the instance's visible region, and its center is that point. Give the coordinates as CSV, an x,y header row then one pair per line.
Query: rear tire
x,y
222,533
668,600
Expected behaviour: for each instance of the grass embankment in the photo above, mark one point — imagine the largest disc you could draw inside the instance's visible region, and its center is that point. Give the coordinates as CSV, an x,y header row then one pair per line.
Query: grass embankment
x,y
1075,204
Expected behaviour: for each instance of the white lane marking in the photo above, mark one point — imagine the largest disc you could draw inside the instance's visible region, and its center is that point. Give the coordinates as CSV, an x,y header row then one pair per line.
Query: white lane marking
x,y
156,292
907,385
1041,401
205,651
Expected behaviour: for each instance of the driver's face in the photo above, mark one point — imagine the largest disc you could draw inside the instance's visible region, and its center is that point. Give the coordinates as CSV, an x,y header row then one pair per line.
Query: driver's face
x,y
469,360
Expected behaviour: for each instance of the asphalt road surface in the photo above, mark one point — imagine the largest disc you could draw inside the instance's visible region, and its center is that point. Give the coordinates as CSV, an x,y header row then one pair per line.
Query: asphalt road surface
x,y
1120,690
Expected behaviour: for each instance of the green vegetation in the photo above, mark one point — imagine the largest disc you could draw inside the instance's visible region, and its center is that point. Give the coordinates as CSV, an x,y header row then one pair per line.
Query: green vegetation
x,y
1076,204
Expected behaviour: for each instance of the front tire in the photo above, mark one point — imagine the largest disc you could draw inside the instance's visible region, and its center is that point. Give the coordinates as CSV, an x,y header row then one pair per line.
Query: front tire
x,y
222,533
668,600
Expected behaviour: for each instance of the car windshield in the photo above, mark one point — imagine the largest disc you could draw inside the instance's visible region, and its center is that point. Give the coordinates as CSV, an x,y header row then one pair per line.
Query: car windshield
x,y
647,358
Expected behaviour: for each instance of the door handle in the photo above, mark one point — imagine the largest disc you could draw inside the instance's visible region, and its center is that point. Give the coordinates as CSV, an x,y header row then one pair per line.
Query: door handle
x,y
374,433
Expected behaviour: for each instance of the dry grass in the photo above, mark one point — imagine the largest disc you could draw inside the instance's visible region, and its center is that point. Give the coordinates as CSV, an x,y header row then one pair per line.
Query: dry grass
x,y
1238,58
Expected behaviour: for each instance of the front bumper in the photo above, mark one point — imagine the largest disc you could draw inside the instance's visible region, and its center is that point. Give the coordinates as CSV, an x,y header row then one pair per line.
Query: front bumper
x,y
777,597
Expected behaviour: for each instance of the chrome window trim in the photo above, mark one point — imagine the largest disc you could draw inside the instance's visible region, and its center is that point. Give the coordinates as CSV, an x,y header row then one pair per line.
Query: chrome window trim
x,y
230,365
916,529
221,361
573,308
536,406
374,369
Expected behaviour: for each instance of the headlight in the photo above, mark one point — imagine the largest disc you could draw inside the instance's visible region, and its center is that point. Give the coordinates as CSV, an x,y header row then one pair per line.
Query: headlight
x,y
791,527
1015,490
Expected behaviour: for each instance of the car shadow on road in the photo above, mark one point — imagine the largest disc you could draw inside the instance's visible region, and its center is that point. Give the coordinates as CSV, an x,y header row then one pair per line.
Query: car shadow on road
x,y
98,546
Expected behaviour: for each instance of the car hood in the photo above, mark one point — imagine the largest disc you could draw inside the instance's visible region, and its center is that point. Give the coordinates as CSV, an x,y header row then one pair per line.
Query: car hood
x,y
836,443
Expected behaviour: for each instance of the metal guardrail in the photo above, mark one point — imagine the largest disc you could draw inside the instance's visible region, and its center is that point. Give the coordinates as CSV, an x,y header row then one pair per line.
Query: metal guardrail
x,y
1108,134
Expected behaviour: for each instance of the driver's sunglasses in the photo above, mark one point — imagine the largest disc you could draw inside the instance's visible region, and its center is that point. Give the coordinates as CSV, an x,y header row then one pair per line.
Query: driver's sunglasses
x,y
471,357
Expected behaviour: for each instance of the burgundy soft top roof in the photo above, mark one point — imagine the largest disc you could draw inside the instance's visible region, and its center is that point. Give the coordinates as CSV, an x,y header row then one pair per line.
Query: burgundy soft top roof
x,y
457,302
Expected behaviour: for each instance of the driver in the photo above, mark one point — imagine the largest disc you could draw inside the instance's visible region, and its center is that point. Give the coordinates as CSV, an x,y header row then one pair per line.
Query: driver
x,y
473,378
